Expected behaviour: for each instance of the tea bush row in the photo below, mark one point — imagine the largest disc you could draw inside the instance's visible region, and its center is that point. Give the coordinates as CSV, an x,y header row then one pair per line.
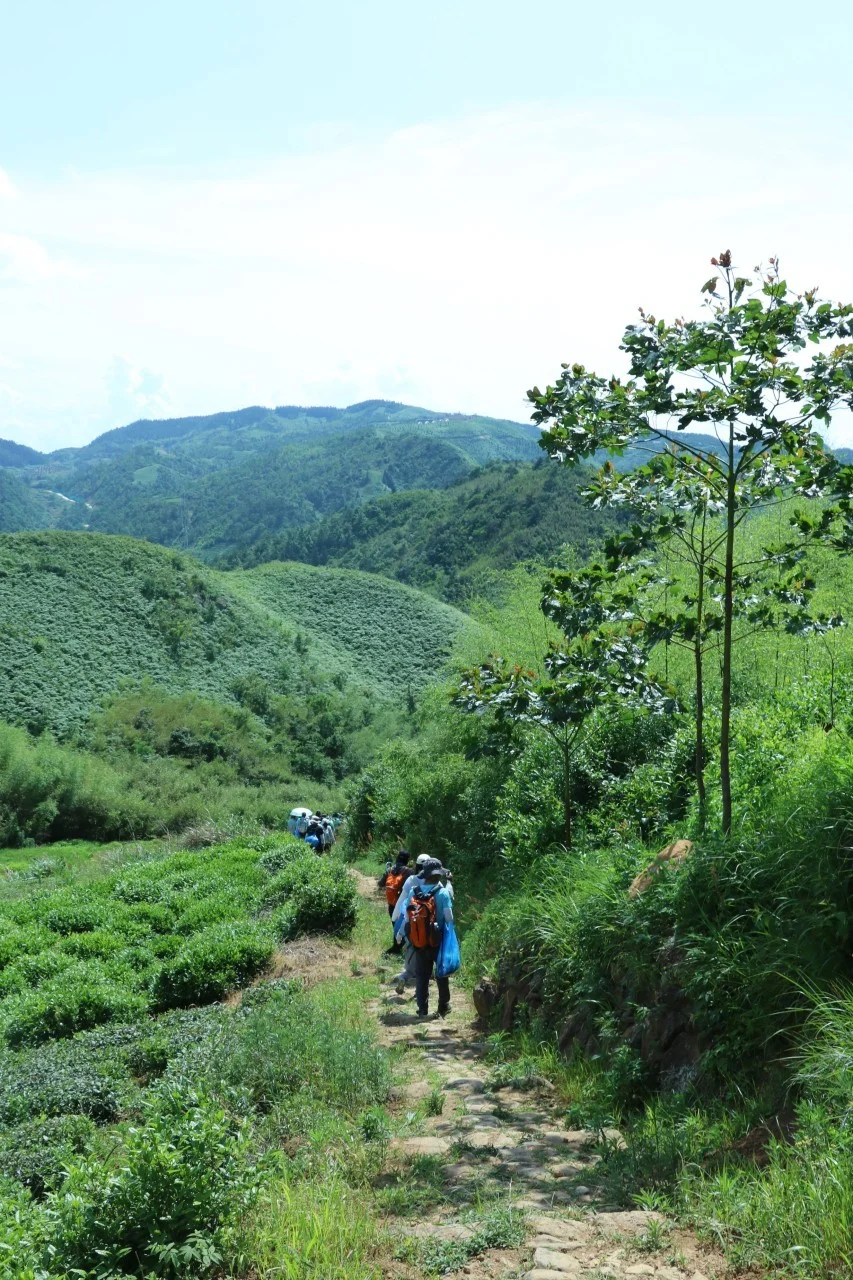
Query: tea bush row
x,y
169,1193
172,932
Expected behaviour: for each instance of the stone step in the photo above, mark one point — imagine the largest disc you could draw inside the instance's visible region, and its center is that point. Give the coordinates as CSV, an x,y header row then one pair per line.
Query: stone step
x,y
553,1260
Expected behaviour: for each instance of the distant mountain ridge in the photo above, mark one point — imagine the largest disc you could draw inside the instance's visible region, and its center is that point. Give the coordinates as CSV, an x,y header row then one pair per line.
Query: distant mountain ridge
x,y
211,483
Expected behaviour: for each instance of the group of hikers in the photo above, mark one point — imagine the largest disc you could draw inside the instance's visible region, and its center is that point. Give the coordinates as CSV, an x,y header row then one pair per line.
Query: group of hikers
x,y
420,904
316,829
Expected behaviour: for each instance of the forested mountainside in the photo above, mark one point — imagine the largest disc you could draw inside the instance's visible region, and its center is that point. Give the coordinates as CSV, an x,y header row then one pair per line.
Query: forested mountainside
x,y
210,484
448,541
22,507
19,455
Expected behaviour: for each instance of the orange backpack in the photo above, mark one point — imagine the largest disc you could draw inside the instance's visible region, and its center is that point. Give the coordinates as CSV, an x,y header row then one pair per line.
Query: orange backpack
x,y
394,882
423,926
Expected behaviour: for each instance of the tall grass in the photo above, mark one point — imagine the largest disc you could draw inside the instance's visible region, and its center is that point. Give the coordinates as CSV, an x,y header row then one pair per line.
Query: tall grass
x,y
321,1229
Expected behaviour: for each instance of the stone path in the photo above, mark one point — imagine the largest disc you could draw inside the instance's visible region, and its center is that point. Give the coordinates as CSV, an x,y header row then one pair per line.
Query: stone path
x,y
508,1146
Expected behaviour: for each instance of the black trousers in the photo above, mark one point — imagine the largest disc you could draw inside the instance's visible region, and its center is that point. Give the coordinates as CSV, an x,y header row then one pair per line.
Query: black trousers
x,y
425,958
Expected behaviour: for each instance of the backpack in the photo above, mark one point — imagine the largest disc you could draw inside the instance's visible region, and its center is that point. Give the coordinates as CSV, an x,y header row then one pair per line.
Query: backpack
x,y
423,927
394,881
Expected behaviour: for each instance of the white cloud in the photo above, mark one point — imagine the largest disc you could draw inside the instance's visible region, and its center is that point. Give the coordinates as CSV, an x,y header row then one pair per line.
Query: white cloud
x,y
452,265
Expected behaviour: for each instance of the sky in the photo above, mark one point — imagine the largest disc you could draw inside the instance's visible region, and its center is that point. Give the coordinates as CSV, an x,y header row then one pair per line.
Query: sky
x,y
209,205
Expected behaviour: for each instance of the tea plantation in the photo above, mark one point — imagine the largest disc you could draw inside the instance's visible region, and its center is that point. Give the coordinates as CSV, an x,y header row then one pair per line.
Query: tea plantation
x,y
137,1115
80,613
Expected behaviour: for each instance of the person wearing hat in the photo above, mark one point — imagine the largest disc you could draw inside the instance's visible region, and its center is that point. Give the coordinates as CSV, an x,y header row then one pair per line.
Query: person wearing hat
x,y
406,976
441,912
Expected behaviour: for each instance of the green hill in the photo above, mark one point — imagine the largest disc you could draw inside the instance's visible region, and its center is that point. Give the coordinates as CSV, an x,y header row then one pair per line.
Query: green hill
x,y
81,613
443,540
213,483
220,439
22,507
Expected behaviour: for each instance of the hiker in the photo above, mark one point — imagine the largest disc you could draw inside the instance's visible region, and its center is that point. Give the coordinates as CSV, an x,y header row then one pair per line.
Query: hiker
x,y
396,875
329,837
428,913
406,977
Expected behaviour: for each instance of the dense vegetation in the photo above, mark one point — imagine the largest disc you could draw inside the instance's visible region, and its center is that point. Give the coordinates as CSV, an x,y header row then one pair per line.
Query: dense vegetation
x,y
210,484
143,1127
22,507
181,696
702,1003
450,541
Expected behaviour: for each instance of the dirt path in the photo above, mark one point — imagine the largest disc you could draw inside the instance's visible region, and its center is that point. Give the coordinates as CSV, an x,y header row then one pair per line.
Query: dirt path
x,y
506,1150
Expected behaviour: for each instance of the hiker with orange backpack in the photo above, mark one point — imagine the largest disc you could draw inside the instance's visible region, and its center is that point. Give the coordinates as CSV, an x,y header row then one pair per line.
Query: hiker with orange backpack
x,y
392,882
429,914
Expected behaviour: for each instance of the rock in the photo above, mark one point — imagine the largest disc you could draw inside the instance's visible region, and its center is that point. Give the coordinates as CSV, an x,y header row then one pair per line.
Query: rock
x,y
640,1269
565,1169
544,1273
485,997
480,1121
466,1084
669,1273
582,1191
568,1229
673,854
555,1242
551,1260
485,1138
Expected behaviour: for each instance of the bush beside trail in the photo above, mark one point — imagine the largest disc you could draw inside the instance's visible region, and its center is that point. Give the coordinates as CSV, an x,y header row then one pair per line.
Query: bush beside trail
x,y
139,1121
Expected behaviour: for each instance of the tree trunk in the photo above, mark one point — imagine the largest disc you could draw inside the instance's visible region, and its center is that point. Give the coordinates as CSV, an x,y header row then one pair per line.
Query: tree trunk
x,y
567,797
728,612
700,683
700,735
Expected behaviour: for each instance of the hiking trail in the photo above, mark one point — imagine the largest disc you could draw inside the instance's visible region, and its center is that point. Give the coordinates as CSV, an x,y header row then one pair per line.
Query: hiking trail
x,y
508,1147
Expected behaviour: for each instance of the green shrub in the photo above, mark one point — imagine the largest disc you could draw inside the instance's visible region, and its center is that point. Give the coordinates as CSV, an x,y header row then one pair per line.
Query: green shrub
x,y
213,962
318,896
64,1078
82,997
35,1153
184,1175
29,971
24,1230
281,854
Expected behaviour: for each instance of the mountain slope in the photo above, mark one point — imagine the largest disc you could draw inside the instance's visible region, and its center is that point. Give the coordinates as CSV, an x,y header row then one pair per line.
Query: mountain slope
x,y
80,613
19,455
22,507
221,438
169,499
209,484
440,540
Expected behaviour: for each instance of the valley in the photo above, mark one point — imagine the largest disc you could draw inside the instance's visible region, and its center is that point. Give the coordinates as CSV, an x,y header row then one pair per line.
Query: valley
x,y
472,640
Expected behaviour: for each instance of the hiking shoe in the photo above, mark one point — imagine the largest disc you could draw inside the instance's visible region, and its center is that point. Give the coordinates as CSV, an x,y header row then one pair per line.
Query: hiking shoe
x,y
400,988
423,1013
443,1010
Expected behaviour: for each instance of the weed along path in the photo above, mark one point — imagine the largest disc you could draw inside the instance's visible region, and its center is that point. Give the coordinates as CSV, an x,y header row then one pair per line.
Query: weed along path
x,y
484,1179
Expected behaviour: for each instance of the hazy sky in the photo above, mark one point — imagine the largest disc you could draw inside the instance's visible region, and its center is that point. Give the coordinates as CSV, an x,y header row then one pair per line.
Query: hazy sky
x,y
207,205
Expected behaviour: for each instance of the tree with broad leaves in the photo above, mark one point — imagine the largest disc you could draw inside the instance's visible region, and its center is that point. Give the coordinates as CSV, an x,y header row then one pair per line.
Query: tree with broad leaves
x,y
677,509
601,662
738,372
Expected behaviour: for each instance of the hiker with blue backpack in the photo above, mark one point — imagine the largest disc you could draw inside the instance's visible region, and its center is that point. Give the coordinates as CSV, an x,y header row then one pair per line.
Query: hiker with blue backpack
x,y
430,931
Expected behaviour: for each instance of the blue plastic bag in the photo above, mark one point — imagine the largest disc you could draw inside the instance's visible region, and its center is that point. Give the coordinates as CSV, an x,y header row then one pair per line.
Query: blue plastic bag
x,y
449,958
